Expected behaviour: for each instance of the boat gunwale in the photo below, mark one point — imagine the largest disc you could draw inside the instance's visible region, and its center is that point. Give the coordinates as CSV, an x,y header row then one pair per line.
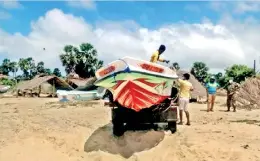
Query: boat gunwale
x,y
133,71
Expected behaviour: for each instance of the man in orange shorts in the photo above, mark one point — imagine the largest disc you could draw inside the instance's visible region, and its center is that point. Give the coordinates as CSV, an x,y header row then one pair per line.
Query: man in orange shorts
x,y
184,97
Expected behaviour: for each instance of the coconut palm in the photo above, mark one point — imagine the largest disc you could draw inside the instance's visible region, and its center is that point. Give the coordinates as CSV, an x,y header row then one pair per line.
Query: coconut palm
x,y
82,60
13,66
5,67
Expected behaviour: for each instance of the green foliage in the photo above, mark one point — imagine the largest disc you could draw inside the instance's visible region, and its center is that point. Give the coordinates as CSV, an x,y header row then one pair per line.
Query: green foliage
x,y
8,82
40,67
5,67
47,71
176,65
200,71
28,67
57,72
237,73
217,76
82,60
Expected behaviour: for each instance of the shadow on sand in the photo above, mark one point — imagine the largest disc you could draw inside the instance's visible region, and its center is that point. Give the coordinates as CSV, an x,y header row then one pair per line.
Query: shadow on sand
x,y
126,145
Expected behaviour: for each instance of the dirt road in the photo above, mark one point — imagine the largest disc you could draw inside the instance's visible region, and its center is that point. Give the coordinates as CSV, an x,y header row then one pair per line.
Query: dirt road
x,y
34,129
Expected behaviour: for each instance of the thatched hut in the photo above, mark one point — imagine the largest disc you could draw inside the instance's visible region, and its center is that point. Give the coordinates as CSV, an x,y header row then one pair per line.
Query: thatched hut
x,y
42,85
199,90
77,82
3,76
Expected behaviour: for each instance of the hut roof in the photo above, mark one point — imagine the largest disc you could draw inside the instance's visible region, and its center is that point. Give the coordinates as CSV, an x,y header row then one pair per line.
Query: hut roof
x,y
38,80
199,89
77,82
3,76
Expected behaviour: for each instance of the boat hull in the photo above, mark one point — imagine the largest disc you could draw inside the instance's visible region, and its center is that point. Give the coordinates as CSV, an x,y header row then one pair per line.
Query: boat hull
x,y
4,89
65,96
135,87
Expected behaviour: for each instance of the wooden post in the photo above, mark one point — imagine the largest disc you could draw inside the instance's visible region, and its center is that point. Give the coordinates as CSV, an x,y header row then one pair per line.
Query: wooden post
x,y
254,67
53,87
40,89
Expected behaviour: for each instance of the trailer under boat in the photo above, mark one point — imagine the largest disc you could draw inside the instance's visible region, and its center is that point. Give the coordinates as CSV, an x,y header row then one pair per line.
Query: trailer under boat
x,y
140,92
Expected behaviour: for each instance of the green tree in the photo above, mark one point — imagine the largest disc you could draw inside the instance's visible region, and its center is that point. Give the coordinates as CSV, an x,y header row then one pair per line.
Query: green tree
x,y
82,60
5,67
8,82
40,67
47,71
200,71
237,73
68,59
28,67
176,65
13,66
57,72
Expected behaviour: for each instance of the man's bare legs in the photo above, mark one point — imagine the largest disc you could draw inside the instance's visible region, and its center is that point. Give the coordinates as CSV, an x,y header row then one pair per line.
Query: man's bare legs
x,y
188,117
233,104
209,102
213,97
181,117
228,103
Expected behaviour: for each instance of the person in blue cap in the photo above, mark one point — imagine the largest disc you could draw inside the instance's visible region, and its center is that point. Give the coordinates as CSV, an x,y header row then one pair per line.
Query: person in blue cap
x,y
211,87
156,55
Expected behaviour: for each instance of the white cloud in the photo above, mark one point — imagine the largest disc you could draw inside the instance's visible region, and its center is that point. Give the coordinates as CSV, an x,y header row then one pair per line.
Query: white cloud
x,y
218,46
237,7
10,4
243,7
4,15
87,4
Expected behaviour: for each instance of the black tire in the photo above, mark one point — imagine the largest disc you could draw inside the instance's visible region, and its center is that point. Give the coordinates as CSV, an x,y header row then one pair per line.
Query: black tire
x,y
118,126
172,126
118,129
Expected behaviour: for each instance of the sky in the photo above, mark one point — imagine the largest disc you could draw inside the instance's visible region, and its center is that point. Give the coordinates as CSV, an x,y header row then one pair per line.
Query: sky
x,y
219,33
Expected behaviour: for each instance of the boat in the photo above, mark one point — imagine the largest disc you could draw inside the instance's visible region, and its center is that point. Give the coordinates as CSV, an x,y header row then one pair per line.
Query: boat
x,y
78,95
136,84
4,88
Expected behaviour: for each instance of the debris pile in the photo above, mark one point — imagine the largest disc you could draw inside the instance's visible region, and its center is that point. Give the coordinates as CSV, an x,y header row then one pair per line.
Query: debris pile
x,y
248,96
222,92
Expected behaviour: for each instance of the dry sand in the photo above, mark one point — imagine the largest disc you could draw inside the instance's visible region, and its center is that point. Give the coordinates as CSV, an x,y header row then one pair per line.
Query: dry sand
x,y
34,129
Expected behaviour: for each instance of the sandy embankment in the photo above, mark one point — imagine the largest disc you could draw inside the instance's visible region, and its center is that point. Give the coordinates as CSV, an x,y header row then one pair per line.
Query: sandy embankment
x,y
34,130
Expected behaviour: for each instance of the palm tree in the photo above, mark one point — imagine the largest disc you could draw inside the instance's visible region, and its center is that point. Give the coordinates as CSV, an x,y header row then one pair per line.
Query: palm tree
x,y
24,66
200,71
81,60
57,72
40,67
5,67
68,59
13,68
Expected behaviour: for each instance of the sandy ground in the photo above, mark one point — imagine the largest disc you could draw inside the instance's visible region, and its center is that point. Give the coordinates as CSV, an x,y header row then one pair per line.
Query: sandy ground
x,y
34,129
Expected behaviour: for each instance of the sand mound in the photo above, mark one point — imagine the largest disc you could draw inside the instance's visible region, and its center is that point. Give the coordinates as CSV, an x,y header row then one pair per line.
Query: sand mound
x,y
221,92
248,96
130,143
199,89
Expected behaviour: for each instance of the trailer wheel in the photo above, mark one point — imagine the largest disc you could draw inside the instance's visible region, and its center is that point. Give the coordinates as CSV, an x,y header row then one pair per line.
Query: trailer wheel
x,y
118,129
172,126
118,126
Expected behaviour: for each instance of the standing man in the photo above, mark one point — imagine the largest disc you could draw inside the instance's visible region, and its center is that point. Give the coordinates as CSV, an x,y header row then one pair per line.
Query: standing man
x,y
184,97
211,87
156,55
232,89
